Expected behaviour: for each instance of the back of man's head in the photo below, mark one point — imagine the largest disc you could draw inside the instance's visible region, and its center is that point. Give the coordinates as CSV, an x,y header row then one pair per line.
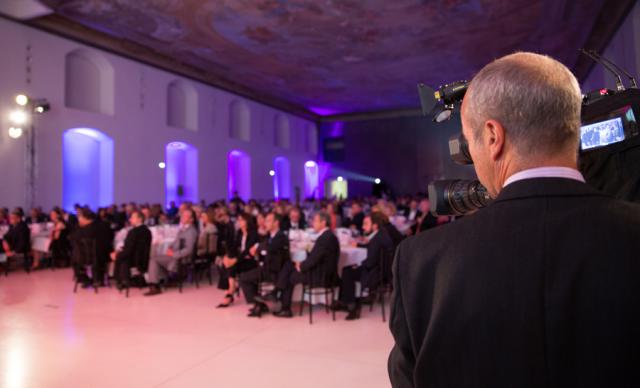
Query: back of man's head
x,y
536,98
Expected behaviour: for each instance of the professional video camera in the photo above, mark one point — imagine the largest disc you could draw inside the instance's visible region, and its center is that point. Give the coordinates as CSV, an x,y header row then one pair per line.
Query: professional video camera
x,y
609,155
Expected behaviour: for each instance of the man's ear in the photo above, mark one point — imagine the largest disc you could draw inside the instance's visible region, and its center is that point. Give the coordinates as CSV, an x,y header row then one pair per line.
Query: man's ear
x,y
494,138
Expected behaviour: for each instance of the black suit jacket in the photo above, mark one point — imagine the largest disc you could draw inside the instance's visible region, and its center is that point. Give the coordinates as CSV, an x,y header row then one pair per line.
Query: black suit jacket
x,y
381,243
252,239
226,238
322,261
19,238
137,246
539,289
277,252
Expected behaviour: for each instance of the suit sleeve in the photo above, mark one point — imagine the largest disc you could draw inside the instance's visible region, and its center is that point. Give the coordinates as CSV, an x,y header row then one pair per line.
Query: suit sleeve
x,y
129,246
373,254
315,257
190,238
401,363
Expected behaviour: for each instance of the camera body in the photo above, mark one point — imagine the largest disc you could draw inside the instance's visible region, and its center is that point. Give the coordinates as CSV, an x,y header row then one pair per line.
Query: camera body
x,y
609,154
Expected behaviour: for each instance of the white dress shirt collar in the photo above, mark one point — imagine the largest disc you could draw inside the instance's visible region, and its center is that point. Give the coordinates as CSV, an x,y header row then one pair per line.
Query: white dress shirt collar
x,y
545,172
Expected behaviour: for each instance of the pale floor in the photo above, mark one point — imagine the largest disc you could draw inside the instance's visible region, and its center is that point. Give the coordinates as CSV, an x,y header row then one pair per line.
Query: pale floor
x,y
50,337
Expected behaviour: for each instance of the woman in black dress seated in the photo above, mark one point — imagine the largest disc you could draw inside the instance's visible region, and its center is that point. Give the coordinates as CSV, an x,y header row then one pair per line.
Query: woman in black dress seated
x,y
60,246
241,256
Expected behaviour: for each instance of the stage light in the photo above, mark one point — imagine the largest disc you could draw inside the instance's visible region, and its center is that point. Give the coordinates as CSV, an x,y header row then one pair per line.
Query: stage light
x,y
18,117
272,173
310,164
22,100
41,106
340,179
162,165
15,132
378,181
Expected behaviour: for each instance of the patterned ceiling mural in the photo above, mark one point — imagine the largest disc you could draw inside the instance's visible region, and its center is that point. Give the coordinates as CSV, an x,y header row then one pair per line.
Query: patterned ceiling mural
x,y
341,56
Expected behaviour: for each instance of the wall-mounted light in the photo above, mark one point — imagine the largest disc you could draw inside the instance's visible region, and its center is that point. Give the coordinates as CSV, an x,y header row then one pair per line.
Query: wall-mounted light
x,y
15,132
18,117
22,100
41,106
340,179
310,164
377,181
162,165
272,173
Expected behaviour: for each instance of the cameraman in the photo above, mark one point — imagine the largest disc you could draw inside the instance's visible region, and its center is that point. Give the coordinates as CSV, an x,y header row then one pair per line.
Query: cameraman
x,y
542,287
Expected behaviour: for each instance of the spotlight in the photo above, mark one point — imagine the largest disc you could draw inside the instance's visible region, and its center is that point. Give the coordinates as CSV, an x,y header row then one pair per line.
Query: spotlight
x,y
272,173
162,165
41,106
18,117
340,179
310,164
15,132
377,181
22,100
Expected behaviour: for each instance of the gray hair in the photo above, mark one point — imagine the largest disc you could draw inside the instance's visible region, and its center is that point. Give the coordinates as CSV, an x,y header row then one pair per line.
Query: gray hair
x,y
536,98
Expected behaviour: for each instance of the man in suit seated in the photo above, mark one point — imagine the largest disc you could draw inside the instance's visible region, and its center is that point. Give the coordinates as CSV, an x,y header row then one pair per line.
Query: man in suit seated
x,y
182,248
272,255
295,221
135,252
369,272
92,243
540,288
17,241
321,264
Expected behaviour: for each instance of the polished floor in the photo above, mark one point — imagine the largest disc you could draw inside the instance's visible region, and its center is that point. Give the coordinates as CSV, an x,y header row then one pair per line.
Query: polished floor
x,y
50,337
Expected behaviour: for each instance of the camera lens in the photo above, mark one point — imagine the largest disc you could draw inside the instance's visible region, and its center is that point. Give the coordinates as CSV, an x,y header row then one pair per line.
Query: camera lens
x,y
457,197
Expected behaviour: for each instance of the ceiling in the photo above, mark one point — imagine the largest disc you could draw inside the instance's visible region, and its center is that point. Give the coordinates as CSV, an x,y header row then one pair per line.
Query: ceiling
x,y
334,57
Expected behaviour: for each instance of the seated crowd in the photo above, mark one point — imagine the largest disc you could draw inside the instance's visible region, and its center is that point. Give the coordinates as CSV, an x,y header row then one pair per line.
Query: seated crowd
x,y
248,244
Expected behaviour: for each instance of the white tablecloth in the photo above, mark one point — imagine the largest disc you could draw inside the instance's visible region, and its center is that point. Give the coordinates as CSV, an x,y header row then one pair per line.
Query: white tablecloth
x,y
348,256
40,236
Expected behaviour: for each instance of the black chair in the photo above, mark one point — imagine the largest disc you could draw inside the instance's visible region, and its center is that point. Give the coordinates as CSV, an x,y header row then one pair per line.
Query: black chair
x,y
185,267
268,283
327,289
201,265
385,284
24,257
86,249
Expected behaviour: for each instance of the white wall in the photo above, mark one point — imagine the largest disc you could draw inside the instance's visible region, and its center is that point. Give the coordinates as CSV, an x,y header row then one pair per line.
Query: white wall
x,y
140,133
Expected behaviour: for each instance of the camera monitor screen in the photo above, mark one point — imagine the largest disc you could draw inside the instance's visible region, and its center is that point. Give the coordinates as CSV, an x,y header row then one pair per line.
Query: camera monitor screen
x,y
601,133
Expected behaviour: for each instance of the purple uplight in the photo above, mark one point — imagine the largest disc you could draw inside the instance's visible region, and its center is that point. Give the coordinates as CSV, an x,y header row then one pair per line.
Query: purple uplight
x,y
323,111
239,174
337,129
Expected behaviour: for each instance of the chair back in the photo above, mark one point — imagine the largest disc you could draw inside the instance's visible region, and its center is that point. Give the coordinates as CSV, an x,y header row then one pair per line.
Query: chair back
x,y
386,266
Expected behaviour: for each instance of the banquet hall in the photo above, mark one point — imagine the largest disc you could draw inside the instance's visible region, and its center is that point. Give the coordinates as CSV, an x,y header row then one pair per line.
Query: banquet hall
x,y
212,193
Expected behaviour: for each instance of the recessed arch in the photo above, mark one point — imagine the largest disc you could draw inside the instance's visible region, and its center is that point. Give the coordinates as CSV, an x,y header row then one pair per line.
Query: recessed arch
x,y
282,134
282,178
311,143
89,82
182,105
311,180
239,174
239,121
181,172
87,177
